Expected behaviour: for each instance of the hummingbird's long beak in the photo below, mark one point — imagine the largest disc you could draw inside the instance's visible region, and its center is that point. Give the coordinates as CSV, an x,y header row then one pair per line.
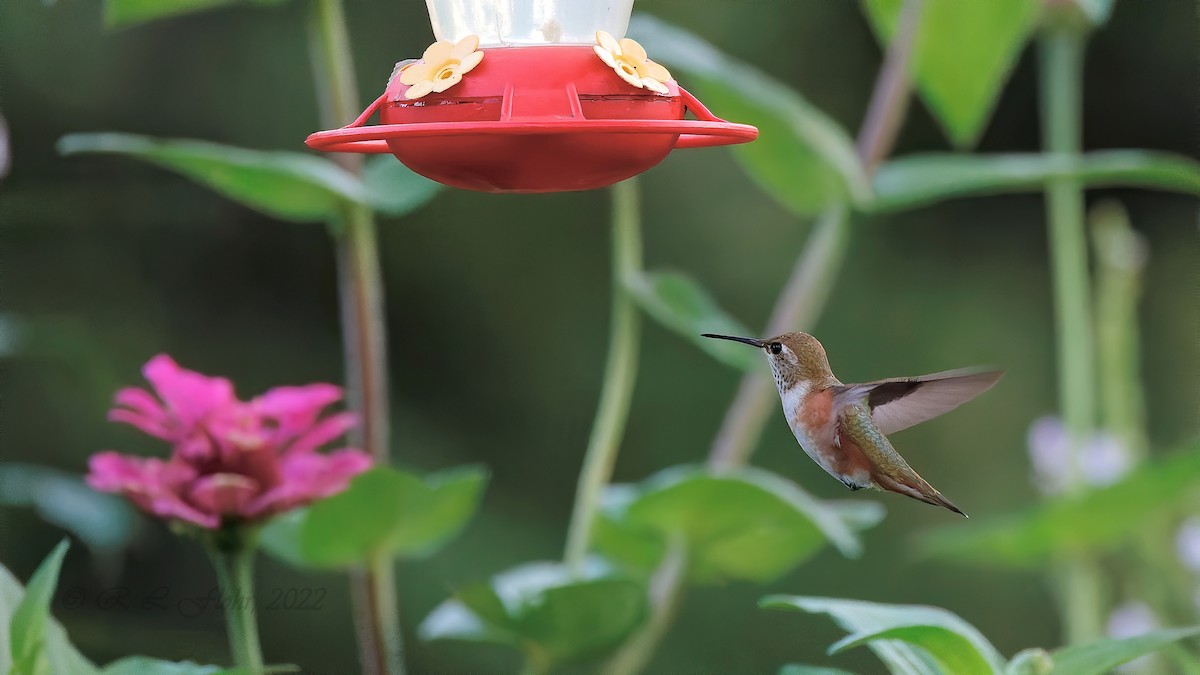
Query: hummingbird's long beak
x,y
743,340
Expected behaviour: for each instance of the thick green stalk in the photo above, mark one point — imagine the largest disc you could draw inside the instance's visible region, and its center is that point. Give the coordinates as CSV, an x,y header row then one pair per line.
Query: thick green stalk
x,y
619,375
1120,255
1081,594
363,332
1062,89
235,574
1120,259
1061,65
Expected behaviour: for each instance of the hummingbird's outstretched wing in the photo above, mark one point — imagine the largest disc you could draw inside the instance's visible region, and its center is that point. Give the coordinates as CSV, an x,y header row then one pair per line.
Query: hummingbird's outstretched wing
x,y
902,402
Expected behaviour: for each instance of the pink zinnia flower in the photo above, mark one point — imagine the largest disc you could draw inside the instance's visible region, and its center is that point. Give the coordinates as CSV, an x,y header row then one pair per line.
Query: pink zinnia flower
x,y
231,459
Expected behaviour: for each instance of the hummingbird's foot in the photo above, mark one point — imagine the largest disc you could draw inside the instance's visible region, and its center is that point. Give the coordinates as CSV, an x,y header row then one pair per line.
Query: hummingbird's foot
x,y
852,486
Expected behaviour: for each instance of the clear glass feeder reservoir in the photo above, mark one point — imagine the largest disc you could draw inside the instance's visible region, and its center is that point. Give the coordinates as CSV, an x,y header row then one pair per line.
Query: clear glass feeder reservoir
x,y
532,96
510,23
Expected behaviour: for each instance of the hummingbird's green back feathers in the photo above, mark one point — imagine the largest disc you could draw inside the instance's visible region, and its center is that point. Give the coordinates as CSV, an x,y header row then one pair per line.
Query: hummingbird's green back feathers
x,y
858,433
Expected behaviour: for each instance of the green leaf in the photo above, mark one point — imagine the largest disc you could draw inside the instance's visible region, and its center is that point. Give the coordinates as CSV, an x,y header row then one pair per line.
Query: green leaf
x,y
801,669
27,632
104,522
120,13
920,180
281,537
746,525
907,638
383,511
36,643
1096,521
145,665
454,620
802,158
859,515
1034,661
394,189
678,302
541,608
1102,656
962,56
287,185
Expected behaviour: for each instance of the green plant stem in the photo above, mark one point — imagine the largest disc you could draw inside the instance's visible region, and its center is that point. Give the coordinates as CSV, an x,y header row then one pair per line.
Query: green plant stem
x,y
800,304
1120,255
1080,586
364,335
1120,260
1062,82
235,574
1061,70
889,100
666,594
619,375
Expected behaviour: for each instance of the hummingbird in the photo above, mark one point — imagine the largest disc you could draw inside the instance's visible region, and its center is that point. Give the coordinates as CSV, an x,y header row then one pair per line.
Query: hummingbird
x,y
844,427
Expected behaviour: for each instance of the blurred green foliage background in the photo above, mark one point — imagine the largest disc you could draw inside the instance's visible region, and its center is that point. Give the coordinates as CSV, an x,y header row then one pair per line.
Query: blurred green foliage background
x,y
498,306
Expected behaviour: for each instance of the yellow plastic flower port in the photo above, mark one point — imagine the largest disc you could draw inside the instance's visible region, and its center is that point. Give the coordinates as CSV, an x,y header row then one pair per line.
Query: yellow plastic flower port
x,y
401,66
442,67
629,60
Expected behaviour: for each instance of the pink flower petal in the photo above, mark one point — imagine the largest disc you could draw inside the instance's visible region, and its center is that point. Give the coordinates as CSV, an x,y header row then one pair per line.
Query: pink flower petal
x,y
148,426
294,410
173,508
111,471
326,431
309,477
151,484
196,449
302,401
261,464
189,395
141,402
223,494
327,474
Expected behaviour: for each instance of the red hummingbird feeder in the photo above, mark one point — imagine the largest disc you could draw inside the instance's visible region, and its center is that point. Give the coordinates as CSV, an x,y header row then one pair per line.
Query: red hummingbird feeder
x,y
532,96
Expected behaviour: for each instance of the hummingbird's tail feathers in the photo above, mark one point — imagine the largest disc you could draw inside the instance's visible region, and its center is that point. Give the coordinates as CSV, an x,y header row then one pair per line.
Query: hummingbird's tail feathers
x,y
914,486
937,499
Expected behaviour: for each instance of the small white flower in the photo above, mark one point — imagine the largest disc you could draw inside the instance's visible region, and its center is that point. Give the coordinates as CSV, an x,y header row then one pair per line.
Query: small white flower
x,y
1131,620
1104,460
1187,543
1050,450
1101,460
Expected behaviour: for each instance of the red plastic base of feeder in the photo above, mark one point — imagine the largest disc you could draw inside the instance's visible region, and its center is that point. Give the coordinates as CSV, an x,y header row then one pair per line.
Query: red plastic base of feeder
x,y
534,119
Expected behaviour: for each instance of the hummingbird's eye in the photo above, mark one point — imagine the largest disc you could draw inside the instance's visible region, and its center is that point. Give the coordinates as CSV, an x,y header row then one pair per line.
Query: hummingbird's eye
x,y
775,347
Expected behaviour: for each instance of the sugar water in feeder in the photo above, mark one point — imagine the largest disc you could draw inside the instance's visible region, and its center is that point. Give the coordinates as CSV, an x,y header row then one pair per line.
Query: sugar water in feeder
x,y
532,96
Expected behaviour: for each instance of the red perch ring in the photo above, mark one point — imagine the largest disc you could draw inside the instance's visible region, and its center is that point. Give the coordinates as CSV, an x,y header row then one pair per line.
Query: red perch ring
x,y
534,119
